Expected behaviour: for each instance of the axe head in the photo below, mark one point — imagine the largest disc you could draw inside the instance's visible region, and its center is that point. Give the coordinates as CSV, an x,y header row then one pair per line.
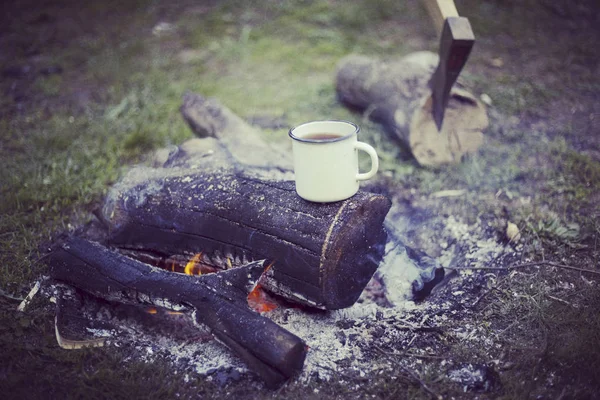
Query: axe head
x,y
456,43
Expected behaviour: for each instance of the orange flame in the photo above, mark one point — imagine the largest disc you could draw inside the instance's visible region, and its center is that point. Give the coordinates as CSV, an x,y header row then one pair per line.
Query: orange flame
x,y
269,266
192,267
155,310
259,300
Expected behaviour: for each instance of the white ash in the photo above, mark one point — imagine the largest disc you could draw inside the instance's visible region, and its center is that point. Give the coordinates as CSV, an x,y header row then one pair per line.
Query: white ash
x,y
480,248
200,354
472,377
398,272
340,342
330,343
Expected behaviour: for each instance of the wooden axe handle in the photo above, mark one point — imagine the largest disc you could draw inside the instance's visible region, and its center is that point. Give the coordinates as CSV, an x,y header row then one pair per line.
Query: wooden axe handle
x,y
439,10
456,42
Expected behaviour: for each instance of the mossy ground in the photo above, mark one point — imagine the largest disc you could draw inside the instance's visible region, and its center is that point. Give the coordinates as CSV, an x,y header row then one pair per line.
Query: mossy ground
x,y
89,88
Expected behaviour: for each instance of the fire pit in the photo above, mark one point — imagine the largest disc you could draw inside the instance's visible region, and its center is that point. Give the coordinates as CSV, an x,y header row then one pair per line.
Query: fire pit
x,y
204,234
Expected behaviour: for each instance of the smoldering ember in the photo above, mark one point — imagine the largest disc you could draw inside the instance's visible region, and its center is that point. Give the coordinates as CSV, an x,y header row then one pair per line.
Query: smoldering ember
x,y
212,242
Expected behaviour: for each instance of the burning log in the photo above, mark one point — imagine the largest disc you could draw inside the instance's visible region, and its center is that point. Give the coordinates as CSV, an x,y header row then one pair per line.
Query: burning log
x,y
324,254
219,301
398,95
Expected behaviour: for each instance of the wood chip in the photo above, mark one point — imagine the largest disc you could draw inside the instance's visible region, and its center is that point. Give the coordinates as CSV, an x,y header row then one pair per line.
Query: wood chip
x,y
449,193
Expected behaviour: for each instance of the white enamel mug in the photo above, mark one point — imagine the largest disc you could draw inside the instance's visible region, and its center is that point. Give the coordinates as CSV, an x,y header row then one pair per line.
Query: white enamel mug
x,y
326,160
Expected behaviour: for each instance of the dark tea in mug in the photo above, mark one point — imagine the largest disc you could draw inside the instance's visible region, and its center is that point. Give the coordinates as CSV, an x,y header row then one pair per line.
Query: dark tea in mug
x,y
322,136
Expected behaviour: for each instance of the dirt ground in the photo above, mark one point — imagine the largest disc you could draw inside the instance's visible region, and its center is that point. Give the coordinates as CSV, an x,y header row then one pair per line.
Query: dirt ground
x,y
88,90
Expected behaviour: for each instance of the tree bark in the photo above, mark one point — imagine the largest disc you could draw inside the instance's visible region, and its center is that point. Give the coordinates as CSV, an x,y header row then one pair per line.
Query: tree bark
x,y
397,94
324,254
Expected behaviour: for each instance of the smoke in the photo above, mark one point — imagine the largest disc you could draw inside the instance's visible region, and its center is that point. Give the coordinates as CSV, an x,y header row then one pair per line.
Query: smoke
x,y
408,274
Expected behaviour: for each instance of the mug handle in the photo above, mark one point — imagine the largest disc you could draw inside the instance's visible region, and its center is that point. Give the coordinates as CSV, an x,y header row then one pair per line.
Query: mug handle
x,y
374,161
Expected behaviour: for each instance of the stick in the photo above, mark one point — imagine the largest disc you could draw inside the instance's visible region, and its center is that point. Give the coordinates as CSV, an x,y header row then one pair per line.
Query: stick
x,y
419,328
559,300
412,327
529,264
10,296
425,356
23,305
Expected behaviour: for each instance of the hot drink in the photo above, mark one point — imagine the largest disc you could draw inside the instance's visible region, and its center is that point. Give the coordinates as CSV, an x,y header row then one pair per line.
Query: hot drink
x,y
322,136
326,160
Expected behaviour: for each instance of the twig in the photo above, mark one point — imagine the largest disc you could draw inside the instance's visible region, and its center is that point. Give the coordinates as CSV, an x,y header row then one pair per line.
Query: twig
x,y
559,300
41,258
9,296
419,328
341,373
23,305
557,265
529,264
510,326
482,296
410,374
498,284
412,327
426,356
411,341
449,193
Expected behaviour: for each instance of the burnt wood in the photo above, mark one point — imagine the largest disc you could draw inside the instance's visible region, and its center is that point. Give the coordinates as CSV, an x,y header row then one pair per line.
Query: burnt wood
x,y
324,254
219,302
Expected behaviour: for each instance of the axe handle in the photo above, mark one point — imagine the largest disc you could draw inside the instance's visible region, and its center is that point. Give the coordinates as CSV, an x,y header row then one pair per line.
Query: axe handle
x,y
439,10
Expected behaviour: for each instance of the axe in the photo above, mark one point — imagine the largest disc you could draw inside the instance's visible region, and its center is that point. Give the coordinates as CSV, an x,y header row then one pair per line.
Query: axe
x,y
456,42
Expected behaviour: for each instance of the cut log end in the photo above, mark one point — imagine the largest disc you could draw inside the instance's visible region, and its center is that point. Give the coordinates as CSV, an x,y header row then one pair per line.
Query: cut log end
x,y
461,132
354,253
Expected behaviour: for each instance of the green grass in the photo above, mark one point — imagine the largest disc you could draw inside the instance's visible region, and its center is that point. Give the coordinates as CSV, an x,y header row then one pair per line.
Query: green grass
x,y
544,327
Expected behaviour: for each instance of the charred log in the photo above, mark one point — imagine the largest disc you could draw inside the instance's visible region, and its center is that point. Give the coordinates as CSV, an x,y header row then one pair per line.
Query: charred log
x,y
324,254
397,94
218,300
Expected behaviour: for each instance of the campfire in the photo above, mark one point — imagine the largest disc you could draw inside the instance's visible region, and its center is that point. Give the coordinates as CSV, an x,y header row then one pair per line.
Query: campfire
x,y
215,232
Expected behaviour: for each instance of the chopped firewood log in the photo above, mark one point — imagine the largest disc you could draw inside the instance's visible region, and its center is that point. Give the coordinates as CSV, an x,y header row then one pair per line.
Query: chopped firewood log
x,y
219,301
208,118
324,254
398,95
